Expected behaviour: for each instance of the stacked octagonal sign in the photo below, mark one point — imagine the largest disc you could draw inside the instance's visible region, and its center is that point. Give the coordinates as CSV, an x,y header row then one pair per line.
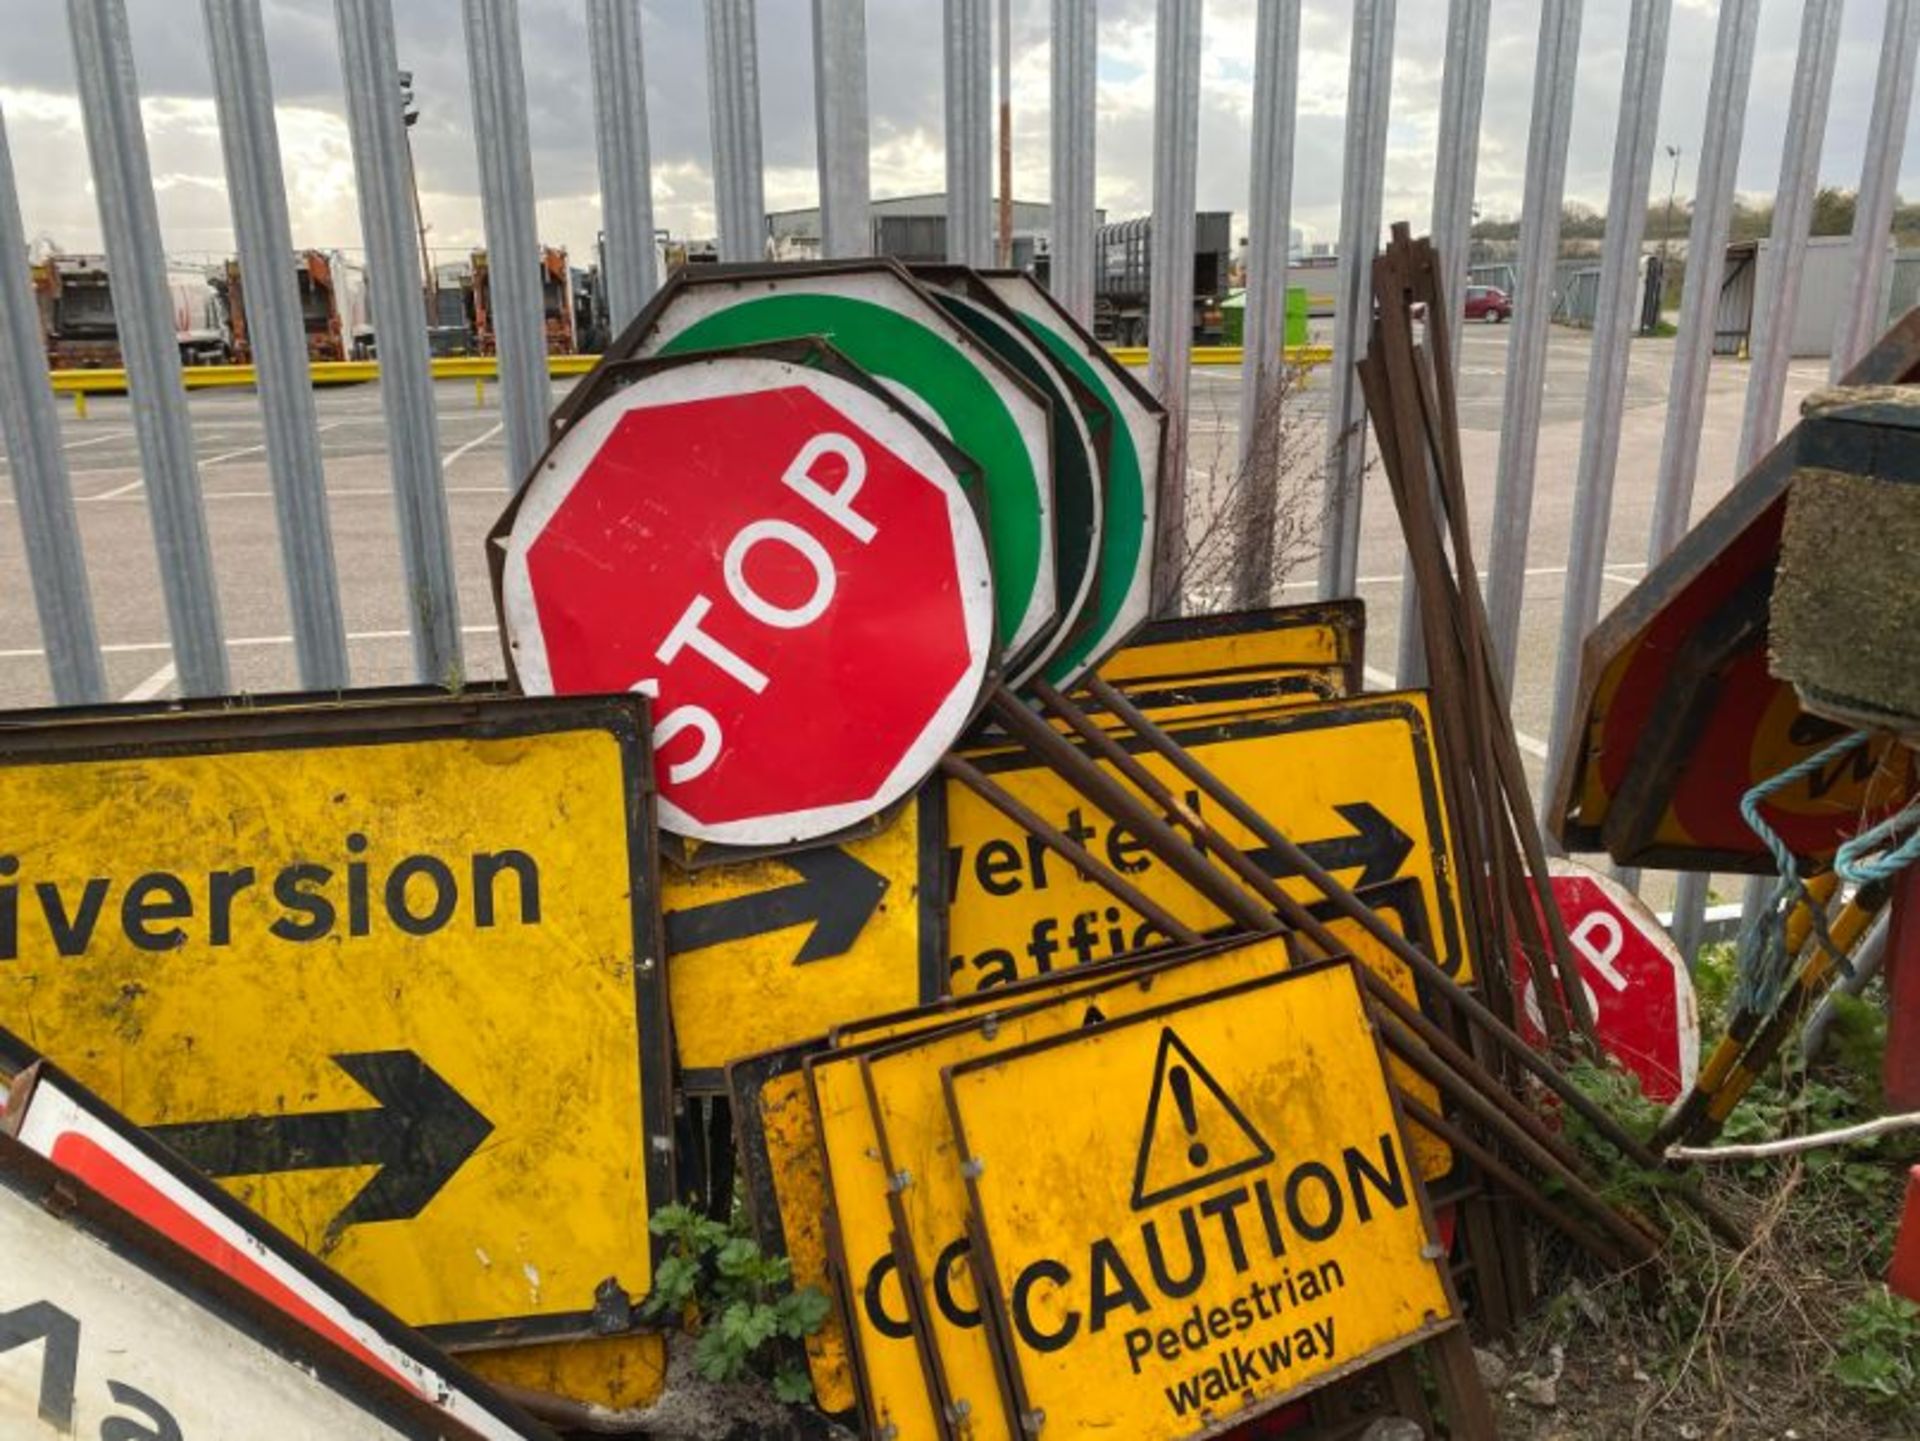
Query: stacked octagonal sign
x,y
815,513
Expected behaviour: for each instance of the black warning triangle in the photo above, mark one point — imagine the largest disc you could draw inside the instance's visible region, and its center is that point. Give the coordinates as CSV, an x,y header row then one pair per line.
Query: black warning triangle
x,y
1094,1016
1194,1135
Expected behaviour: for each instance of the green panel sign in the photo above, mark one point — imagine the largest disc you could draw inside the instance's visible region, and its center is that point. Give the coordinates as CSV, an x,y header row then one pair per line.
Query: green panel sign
x,y
1136,441
1081,425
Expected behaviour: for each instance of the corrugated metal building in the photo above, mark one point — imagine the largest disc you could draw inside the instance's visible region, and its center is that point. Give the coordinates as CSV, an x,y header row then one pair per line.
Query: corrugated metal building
x,y
1823,294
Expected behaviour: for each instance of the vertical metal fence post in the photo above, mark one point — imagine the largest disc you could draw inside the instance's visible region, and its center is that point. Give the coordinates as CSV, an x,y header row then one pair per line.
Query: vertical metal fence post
x,y
1556,62
840,124
626,169
1614,316
1276,94
370,68
733,110
48,525
1727,88
1176,155
1866,312
1075,51
143,313
277,336
1778,302
1774,307
1369,79
968,36
514,258
1455,167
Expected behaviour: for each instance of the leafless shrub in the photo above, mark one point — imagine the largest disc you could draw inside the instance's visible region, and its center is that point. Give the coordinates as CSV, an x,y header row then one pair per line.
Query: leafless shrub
x,y
1253,518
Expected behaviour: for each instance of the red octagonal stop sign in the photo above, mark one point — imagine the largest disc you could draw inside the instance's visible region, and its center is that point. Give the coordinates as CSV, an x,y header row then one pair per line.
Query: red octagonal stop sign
x,y
1637,985
786,560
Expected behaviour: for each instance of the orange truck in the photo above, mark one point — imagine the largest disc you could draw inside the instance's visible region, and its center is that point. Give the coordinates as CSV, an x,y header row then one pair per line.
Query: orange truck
x,y
333,307
556,302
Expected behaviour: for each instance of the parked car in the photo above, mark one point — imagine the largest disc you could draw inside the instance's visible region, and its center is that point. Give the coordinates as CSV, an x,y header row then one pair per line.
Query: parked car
x,y
1488,303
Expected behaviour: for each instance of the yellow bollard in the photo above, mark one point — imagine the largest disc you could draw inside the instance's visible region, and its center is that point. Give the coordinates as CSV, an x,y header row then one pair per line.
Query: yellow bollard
x,y
79,405
479,392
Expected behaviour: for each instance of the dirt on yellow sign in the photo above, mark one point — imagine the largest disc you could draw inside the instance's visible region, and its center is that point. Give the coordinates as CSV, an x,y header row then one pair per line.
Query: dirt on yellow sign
x,y
769,952
1354,782
390,972
1219,1214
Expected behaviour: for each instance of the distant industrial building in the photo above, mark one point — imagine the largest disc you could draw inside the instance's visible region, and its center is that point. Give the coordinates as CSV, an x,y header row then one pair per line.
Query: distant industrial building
x,y
913,227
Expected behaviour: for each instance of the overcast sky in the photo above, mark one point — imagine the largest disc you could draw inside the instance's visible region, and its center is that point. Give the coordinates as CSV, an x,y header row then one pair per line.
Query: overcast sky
x,y
49,150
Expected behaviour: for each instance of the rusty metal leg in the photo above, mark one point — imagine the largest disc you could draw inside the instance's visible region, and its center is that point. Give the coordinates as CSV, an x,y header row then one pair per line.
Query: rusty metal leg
x,y
1463,1396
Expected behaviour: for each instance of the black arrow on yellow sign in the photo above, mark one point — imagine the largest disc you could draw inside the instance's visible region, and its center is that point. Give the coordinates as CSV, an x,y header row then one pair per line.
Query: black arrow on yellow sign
x,y
1376,846
835,892
420,1134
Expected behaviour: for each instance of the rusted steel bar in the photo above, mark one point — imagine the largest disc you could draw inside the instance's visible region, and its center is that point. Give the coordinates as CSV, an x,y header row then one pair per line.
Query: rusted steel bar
x,y
1470,1098
1068,850
1516,1185
1424,966
1435,387
1178,812
1424,433
1181,856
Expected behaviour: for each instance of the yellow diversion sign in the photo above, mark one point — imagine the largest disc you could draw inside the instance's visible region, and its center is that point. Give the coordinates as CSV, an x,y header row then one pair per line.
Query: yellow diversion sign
x,y
1354,782
1219,1214
388,971
768,952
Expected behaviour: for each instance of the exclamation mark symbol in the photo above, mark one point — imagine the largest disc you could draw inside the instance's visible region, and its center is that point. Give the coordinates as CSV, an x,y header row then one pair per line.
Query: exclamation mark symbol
x,y
1182,1084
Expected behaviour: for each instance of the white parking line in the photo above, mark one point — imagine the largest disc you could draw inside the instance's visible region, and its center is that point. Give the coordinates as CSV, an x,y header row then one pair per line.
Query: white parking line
x,y
96,440
256,449
119,490
153,685
137,647
488,434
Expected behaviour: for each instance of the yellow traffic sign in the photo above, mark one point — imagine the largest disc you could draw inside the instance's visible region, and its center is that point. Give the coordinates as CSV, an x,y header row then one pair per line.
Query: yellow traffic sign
x,y
919,1172
1354,782
1326,637
390,972
861,1177
1219,1214
784,1164
786,1191
769,952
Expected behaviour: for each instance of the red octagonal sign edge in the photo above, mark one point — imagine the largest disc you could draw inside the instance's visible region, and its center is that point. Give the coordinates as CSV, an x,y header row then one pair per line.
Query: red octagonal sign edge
x,y
786,563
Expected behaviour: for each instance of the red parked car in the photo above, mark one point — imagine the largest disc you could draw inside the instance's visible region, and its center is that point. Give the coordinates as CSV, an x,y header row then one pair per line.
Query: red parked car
x,y
1488,303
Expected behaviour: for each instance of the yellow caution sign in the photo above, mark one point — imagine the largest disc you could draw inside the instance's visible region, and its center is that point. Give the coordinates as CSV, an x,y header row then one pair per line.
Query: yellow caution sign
x,y
769,952
1219,1214
785,1160
861,1178
390,972
920,1171
1354,782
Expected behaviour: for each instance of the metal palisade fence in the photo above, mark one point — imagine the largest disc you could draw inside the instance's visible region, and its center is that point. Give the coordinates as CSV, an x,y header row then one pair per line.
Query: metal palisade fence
x,y
109,97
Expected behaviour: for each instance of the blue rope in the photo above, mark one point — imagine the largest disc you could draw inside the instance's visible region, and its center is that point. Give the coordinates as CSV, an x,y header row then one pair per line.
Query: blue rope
x,y
1763,962
1860,862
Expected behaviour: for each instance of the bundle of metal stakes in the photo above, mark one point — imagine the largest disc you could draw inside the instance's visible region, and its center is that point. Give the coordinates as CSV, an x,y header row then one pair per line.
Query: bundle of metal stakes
x,y
1408,380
